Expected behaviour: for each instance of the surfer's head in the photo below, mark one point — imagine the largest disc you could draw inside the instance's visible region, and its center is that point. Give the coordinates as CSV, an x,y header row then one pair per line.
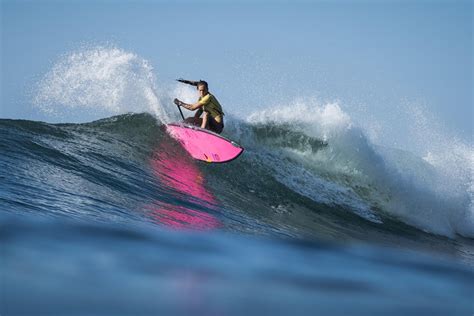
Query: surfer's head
x,y
202,87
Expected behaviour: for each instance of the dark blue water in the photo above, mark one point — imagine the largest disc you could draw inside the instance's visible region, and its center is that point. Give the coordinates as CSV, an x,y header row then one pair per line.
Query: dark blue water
x,y
113,217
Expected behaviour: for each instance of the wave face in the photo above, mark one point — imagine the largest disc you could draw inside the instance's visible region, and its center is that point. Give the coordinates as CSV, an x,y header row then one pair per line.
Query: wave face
x,y
127,165
119,195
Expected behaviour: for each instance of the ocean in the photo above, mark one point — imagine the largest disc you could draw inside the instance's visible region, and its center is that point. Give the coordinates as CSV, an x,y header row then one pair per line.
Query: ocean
x,y
113,217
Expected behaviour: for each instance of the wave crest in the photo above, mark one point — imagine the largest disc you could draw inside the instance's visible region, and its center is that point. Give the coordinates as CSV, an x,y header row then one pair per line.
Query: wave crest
x,y
371,179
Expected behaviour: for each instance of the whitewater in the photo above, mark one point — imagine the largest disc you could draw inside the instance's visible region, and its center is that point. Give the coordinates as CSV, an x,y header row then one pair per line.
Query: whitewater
x,y
317,200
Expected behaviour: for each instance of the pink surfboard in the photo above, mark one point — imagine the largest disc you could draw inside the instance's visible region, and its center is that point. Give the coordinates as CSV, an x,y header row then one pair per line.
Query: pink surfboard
x,y
203,144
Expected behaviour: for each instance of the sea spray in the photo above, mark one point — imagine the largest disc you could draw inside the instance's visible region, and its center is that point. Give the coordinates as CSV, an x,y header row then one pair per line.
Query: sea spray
x,y
100,81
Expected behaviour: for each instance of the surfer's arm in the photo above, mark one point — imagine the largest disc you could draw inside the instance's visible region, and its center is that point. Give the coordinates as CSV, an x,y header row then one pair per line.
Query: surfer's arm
x,y
188,106
194,106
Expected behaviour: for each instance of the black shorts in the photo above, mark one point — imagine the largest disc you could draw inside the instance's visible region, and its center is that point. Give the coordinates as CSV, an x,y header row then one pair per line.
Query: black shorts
x,y
216,126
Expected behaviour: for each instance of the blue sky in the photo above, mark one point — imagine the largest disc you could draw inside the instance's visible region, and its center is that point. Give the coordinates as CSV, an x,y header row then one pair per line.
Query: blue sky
x,y
257,55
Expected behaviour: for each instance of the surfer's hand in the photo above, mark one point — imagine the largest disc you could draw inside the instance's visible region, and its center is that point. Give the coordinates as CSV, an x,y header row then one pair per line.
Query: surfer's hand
x,y
177,102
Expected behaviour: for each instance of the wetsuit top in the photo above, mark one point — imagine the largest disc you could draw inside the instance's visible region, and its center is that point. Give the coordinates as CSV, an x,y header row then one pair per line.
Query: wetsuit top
x,y
211,105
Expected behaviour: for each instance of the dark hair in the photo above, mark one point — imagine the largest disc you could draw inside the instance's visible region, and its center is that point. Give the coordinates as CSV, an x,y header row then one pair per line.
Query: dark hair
x,y
203,83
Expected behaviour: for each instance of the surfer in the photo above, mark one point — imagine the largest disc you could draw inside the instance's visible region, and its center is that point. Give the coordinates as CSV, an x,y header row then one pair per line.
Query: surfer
x,y
207,106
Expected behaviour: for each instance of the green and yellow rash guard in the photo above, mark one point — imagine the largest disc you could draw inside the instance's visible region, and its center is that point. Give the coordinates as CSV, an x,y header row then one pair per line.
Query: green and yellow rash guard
x,y
211,105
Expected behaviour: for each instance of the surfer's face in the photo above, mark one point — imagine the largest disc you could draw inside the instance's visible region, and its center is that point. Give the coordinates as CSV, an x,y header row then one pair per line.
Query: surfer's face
x,y
202,90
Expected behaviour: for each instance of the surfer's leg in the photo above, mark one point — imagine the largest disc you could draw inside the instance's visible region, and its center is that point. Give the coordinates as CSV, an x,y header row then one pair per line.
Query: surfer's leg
x,y
204,123
215,126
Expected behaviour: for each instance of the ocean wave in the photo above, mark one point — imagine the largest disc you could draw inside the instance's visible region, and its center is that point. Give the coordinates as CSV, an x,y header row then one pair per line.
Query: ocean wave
x,y
309,149
344,172
388,182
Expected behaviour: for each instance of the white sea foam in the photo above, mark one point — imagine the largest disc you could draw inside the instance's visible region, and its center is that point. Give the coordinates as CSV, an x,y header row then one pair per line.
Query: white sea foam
x,y
433,192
